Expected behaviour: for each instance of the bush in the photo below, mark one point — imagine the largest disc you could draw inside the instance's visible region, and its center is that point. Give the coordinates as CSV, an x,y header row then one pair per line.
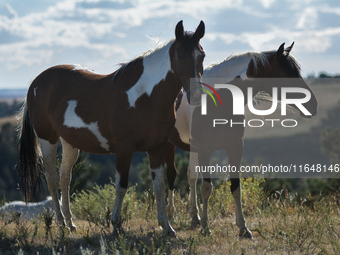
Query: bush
x,y
96,205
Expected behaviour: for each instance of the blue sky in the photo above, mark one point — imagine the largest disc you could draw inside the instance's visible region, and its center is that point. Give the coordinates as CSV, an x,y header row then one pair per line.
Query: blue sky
x,y
37,34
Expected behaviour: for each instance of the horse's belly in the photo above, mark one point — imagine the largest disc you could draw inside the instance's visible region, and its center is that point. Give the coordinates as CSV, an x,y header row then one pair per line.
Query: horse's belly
x,y
89,140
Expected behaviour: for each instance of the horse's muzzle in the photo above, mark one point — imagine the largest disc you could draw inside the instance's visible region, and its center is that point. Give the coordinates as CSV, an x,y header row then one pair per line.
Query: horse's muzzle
x,y
194,97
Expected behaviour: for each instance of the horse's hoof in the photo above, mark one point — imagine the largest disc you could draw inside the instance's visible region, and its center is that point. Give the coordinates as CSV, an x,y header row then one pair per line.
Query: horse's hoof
x,y
73,227
171,234
246,233
61,224
117,231
205,231
169,231
195,222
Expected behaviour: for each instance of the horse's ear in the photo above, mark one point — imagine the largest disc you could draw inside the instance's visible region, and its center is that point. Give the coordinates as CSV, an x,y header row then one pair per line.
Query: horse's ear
x,y
280,51
288,49
179,31
199,33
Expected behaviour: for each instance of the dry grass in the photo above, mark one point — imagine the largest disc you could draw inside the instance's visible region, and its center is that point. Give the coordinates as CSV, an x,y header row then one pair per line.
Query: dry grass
x,y
280,225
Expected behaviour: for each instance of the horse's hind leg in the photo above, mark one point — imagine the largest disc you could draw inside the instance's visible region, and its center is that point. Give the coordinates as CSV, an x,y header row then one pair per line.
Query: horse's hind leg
x,y
234,154
70,155
49,161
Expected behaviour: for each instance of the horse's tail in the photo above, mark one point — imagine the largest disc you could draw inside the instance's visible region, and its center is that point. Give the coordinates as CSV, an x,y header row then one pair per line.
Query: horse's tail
x,y
29,164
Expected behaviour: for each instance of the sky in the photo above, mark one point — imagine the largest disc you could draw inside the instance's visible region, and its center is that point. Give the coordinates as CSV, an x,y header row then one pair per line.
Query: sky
x,y
100,34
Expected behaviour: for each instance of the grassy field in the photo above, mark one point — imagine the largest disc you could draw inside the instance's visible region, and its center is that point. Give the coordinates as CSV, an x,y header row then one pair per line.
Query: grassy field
x,y
281,224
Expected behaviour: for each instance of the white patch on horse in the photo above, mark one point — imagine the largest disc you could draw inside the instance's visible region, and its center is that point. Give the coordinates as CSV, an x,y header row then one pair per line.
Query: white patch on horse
x,y
80,67
45,146
235,65
182,119
229,69
156,67
35,92
158,186
72,120
120,193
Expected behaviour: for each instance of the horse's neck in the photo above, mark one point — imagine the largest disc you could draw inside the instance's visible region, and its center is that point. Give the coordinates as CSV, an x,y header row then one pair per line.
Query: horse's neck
x,y
156,66
229,69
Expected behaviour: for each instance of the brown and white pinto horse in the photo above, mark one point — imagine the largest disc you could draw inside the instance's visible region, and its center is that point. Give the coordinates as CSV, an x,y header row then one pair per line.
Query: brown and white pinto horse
x,y
129,110
242,71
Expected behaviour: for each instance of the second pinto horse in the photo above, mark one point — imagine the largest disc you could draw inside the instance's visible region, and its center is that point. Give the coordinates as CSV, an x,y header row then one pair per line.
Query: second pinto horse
x,y
245,70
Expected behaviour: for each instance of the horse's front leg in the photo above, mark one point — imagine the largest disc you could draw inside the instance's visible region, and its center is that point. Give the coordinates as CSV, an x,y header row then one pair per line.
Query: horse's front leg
x,y
234,154
123,161
157,159
171,174
206,190
192,179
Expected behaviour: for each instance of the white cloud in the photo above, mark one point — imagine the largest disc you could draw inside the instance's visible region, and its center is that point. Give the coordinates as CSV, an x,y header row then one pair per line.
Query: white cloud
x,y
99,32
309,41
308,19
6,11
13,58
332,10
267,3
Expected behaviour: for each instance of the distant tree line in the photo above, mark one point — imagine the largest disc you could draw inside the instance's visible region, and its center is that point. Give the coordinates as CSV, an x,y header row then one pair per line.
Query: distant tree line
x,y
7,109
312,75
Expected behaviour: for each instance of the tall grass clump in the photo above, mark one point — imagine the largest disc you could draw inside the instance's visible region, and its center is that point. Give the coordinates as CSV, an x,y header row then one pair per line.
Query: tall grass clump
x,y
96,205
221,203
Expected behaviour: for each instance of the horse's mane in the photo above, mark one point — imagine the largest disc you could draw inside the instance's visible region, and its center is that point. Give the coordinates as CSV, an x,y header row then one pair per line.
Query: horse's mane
x,y
124,66
263,58
289,62
292,64
256,57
